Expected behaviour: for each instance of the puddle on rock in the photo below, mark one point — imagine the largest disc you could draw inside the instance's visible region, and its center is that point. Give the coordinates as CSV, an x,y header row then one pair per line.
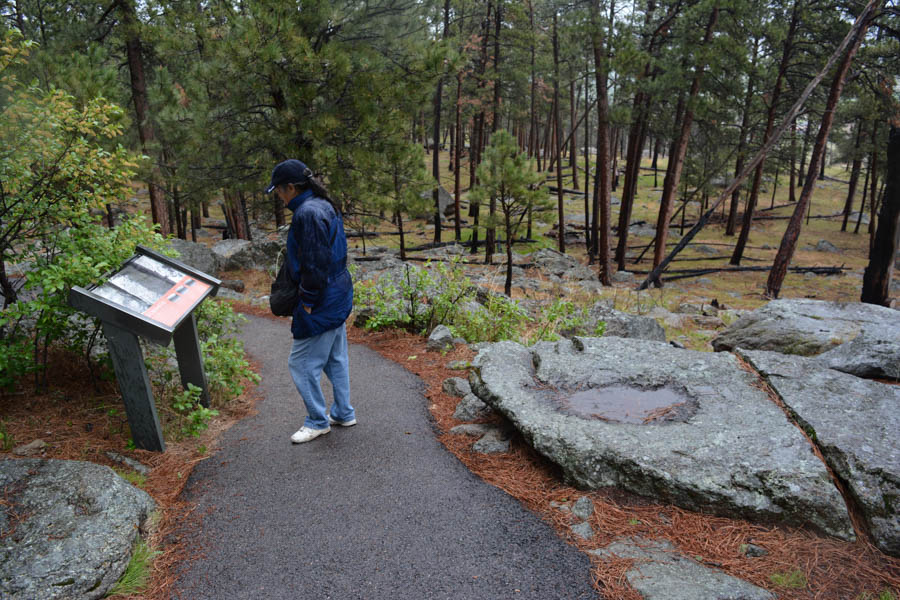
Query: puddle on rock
x,y
624,404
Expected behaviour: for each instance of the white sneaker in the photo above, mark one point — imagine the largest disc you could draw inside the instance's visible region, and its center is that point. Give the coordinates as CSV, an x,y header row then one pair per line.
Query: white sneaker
x,y
333,421
306,434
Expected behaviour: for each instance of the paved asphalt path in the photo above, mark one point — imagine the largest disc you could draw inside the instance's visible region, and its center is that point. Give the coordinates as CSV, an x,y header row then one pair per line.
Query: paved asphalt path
x,y
376,511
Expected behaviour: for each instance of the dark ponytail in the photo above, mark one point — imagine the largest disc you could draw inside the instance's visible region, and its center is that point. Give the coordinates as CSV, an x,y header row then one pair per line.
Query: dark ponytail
x,y
319,190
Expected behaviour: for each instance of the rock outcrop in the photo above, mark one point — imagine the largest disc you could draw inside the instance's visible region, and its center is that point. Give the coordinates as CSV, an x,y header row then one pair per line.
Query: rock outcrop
x,y
660,572
67,529
808,327
709,440
855,423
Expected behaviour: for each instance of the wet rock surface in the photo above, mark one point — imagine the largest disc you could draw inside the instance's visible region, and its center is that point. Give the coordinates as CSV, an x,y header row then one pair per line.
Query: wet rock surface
x,y
855,424
67,529
729,449
195,255
807,327
660,572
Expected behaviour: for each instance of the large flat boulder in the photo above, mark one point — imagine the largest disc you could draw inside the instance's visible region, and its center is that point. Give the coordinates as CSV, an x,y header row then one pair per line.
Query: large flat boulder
x,y
689,428
855,423
66,529
807,327
660,572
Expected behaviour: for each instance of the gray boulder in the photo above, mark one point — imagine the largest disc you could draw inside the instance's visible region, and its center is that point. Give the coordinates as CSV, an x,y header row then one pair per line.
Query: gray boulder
x,y
806,327
660,572
228,253
456,386
621,324
826,246
478,429
471,408
68,529
554,262
243,254
855,423
871,354
685,427
622,277
494,441
195,255
441,339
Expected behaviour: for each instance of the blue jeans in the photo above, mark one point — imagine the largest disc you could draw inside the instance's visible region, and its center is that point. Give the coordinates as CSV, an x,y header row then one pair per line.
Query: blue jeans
x,y
309,357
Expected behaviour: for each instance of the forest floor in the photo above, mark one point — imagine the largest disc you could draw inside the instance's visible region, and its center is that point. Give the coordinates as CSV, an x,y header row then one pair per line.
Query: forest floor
x,y
82,420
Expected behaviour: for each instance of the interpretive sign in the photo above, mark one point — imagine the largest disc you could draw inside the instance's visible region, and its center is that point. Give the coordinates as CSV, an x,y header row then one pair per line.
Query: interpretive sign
x,y
151,296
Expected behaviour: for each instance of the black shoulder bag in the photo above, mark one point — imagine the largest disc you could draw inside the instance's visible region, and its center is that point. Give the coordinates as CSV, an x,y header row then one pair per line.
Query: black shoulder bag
x,y
285,293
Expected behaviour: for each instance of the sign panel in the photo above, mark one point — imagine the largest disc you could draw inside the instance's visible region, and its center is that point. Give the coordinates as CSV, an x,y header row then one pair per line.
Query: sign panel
x,y
153,289
149,294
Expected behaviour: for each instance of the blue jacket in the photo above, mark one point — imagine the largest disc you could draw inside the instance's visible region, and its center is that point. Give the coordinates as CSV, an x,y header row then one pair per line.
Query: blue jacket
x,y
317,260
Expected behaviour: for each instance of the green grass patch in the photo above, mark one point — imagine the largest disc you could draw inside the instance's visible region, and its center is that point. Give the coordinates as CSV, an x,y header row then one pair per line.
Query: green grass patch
x,y
137,573
132,477
794,579
883,595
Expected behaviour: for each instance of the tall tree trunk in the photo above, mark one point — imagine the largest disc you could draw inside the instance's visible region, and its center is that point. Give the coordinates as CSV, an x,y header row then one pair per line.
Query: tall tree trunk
x,y
792,194
532,133
854,176
787,50
435,163
671,184
146,134
589,240
792,233
460,140
742,142
602,183
561,209
803,153
877,277
573,136
490,238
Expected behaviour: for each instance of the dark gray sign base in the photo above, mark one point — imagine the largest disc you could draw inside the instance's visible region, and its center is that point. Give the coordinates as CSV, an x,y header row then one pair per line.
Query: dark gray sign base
x,y
134,385
190,362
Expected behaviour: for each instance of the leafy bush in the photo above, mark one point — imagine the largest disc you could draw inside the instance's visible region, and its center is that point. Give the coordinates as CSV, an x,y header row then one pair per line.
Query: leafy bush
x,y
442,294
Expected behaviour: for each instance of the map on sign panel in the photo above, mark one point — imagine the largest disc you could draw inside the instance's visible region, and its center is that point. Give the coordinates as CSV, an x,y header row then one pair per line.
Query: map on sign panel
x,y
153,289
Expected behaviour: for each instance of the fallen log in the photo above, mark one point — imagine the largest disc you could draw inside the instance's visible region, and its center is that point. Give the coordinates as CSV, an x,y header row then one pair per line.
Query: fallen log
x,y
687,273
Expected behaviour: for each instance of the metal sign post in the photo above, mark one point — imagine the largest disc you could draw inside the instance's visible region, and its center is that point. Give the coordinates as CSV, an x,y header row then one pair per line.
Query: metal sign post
x,y
150,296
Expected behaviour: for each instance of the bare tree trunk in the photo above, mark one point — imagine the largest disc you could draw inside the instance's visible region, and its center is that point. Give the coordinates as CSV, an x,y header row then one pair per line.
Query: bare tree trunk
x,y
490,238
677,158
573,136
435,162
559,183
854,176
460,140
877,277
742,142
792,194
787,50
792,233
146,134
602,183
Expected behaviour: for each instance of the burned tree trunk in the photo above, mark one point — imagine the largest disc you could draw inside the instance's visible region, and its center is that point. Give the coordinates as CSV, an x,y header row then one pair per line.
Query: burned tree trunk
x,y
792,233
677,158
877,277
146,134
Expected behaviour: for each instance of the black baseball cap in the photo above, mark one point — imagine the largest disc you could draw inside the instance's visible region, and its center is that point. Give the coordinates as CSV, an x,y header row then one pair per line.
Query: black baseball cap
x,y
289,171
